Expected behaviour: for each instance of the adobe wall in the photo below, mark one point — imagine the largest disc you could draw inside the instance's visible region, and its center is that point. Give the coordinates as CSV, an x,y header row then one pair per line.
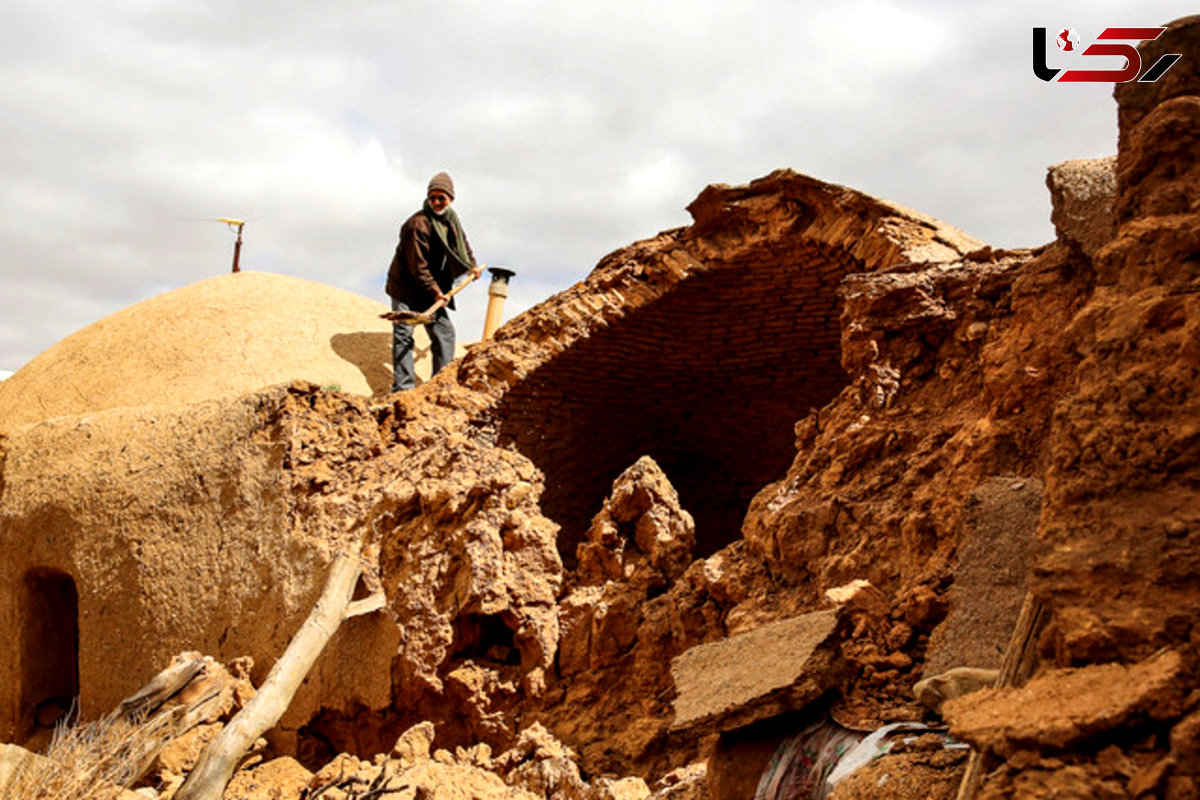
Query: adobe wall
x,y
175,528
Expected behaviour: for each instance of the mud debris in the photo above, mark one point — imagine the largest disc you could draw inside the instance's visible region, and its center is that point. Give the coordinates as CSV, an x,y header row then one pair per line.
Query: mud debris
x,y
593,495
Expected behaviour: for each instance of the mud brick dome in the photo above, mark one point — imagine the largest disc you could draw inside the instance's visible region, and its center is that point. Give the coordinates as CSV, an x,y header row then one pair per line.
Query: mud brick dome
x,y
218,338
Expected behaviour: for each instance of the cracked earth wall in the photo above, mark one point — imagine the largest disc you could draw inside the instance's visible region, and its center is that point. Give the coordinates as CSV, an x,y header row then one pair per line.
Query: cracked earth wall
x,y
1113,707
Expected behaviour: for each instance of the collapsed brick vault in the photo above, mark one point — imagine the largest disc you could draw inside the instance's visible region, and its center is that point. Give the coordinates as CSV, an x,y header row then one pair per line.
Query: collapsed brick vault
x,y
702,348
133,533
707,380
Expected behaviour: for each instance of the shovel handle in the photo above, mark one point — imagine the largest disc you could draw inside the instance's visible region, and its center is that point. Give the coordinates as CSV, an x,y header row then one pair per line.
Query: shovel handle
x,y
411,317
450,294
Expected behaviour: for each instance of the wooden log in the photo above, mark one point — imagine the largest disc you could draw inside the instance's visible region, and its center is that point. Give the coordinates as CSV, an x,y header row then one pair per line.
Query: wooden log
x,y
158,690
368,605
1019,660
157,727
220,758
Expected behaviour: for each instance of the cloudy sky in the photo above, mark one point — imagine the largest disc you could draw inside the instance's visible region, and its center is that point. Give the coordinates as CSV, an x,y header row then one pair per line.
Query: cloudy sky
x,y
571,129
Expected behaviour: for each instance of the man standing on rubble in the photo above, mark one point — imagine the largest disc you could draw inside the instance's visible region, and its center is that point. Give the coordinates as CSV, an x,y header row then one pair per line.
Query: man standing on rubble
x,y
433,252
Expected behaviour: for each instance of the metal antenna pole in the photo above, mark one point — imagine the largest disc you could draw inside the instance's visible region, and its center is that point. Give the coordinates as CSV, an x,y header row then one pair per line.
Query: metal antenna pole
x,y
237,246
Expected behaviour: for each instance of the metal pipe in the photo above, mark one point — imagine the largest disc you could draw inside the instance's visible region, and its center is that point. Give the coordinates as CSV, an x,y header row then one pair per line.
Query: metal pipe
x,y
497,294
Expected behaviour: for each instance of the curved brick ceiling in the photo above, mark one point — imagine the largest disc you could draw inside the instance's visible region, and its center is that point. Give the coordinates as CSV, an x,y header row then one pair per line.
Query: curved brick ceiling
x,y
708,380
701,347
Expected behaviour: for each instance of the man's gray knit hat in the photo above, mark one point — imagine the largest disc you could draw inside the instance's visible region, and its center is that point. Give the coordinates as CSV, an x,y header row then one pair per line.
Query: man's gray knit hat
x,y
442,183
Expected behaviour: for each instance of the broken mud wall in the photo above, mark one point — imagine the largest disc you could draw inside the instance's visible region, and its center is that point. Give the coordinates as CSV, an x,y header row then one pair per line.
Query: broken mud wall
x,y
1126,458
934,364
1112,708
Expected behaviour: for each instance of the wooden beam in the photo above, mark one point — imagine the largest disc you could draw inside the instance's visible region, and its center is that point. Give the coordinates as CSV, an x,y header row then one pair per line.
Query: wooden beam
x,y
220,758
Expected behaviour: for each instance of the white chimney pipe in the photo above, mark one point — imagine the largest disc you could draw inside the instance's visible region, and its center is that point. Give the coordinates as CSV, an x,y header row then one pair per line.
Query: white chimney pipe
x,y
497,294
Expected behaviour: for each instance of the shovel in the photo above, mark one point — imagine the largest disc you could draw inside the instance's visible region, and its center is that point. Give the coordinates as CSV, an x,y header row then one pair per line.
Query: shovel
x,y
426,317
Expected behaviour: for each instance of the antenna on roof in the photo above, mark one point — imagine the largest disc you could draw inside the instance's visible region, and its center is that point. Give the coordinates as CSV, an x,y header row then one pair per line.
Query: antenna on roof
x,y
237,224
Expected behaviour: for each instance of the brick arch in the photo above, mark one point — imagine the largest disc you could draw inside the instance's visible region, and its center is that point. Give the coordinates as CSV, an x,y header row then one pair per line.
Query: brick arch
x,y
708,379
701,347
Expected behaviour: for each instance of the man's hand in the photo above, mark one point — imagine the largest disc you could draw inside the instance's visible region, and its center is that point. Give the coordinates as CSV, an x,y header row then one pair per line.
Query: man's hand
x,y
476,271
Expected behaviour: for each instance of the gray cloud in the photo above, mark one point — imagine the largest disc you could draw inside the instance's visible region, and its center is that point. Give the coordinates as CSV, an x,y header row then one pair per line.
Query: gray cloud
x,y
571,129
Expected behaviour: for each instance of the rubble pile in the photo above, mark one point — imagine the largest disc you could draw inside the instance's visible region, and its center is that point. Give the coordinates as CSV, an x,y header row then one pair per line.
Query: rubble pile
x,y
634,547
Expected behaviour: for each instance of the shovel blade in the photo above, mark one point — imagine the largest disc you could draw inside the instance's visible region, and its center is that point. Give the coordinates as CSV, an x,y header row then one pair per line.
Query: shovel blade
x,y
408,317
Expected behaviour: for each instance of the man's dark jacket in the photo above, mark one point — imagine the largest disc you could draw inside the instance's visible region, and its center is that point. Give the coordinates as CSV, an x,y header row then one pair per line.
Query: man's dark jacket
x,y
422,264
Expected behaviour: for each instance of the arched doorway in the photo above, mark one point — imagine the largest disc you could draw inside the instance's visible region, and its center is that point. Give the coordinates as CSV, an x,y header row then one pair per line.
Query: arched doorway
x,y
49,647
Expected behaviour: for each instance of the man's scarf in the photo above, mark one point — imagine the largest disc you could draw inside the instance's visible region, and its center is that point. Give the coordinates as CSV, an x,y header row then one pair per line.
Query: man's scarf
x,y
443,225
